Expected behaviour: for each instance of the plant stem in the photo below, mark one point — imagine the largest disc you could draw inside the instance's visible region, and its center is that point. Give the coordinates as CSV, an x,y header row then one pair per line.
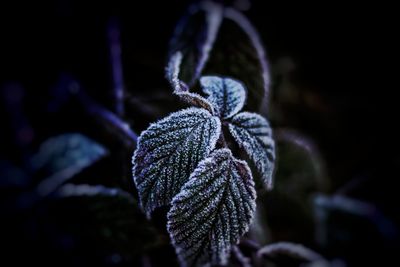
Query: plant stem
x,y
243,260
113,33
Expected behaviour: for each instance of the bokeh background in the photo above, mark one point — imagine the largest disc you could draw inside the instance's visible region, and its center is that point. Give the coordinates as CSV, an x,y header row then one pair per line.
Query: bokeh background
x,y
340,199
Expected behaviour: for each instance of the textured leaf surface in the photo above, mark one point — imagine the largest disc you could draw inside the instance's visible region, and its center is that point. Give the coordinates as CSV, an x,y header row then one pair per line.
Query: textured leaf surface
x,y
180,88
194,36
168,151
253,133
238,53
227,95
64,156
213,210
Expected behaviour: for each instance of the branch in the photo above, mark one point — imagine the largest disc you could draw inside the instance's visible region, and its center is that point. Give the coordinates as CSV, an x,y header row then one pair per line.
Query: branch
x,y
290,249
128,136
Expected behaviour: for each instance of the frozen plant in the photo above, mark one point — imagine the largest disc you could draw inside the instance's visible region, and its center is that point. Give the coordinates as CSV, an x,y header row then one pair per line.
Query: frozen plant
x,y
185,160
179,161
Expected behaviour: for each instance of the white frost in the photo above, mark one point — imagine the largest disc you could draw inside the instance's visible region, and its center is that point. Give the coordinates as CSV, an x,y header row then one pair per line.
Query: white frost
x,y
253,133
213,210
168,152
227,95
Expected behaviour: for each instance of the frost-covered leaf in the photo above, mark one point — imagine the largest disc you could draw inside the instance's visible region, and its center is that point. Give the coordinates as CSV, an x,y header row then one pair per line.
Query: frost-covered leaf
x,y
227,95
253,133
180,88
172,73
238,53
194,36
168,152
63,157
195,100
213,210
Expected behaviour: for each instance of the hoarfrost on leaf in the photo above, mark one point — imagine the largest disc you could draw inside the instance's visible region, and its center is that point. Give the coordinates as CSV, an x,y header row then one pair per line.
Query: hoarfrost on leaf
x,y
194,36
253,133
180,88
213,210
172,72
238,53
227,95
168,152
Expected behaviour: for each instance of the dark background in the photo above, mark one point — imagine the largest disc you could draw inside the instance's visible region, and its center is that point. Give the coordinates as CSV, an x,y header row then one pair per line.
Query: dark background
x,y
330,53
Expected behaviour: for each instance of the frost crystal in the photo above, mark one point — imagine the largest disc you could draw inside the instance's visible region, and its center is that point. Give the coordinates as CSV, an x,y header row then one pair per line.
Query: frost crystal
x,y
168,152
172,72
254,135
238,53
227,95
180,88
194,36
213,210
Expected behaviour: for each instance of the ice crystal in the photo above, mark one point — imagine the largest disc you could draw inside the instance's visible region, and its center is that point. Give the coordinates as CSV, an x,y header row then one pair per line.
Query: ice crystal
x,y
227,95
213,210
168,152
194,36
180,88
238,53
253,133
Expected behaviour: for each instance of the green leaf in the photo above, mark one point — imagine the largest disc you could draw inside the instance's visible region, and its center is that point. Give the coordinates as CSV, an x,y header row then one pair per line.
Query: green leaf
x,y
253,133
63,157
227,95
213,210
168,152
238,53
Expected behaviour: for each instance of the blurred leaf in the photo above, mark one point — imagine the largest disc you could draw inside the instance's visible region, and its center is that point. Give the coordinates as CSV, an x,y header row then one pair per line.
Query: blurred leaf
x,y
64,156
351,228
12,176
108,220
238,53
285,213
300,168
194,36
